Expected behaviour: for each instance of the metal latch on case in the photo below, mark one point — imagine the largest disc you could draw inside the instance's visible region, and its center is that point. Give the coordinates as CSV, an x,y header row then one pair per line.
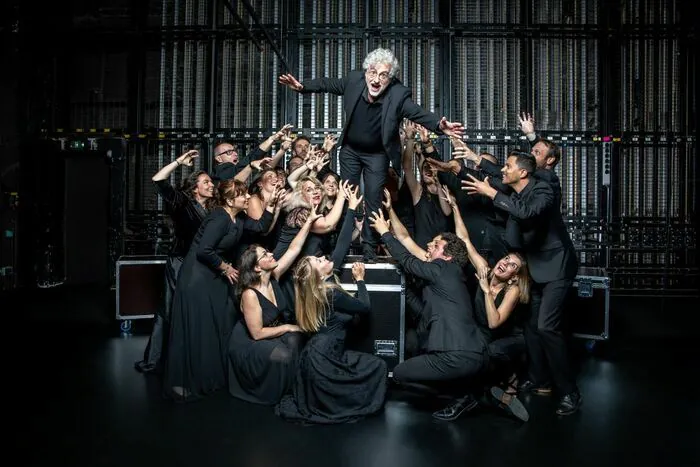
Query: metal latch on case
x,y
386,348
585,288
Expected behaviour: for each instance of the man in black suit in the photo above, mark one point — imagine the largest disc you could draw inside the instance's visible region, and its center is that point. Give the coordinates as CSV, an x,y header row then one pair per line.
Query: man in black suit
x,y
553,266
451,346
375,104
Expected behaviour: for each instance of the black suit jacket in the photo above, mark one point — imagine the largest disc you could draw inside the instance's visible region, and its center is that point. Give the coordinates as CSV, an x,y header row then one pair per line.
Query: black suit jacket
x,y
548,248
446,321
396,105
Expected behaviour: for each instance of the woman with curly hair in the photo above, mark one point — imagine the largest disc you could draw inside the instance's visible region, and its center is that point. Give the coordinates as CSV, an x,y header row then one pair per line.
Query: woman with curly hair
x,y
203,310
333,384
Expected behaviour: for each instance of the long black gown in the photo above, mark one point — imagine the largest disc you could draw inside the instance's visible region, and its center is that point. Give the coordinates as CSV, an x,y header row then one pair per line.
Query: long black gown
x,y
262,371
203,311
332,384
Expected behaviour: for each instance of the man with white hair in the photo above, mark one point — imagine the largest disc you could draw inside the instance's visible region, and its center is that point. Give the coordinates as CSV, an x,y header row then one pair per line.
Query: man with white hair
x,y
375,104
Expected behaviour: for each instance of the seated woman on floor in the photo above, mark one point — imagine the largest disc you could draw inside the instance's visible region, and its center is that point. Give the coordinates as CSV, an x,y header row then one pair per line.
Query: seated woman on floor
x,y
263,349
332,385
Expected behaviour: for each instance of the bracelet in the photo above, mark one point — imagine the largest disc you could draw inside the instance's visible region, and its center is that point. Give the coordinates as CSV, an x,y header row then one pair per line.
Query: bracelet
x,y
177,162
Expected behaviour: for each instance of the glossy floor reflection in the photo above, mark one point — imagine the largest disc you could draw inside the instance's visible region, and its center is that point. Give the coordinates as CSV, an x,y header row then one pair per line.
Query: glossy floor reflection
x,y
640,408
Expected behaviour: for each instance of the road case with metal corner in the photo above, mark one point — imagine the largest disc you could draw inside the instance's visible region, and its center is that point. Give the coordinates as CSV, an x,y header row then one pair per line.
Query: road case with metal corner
x,y
588,305
382,331
140,288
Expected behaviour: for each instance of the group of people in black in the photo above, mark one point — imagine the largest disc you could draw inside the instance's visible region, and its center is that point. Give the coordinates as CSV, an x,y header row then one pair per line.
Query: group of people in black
x,y
254,303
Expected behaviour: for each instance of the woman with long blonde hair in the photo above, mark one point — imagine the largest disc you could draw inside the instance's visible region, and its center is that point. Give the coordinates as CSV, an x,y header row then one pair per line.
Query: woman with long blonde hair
x,y
264,345
332,385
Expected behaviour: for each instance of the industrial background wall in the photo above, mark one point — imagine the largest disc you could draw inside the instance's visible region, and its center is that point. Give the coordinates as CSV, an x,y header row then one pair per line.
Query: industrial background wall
x,y
613,82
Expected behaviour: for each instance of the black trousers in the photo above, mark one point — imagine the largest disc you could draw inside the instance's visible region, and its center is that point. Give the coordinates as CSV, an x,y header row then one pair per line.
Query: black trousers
x,y
157,342
441,373
372,167
506,356
547,344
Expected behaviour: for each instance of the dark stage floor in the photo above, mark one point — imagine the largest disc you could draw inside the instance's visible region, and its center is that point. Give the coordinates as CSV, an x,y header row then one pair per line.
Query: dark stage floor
x,y
86,405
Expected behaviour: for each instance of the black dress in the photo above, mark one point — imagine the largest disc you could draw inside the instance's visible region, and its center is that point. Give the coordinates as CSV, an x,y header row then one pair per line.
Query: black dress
x,y
203,311
261,371
333,384
506,343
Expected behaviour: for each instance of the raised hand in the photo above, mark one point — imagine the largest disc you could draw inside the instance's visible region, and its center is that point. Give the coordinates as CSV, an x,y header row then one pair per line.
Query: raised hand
x,y
352,197
277,196
186,157
451,128
322,161
387,200
474,186
261,163
483,276
526,123
313,215
378,222
291,82
344,188
447,196
358,271
329,142
284,131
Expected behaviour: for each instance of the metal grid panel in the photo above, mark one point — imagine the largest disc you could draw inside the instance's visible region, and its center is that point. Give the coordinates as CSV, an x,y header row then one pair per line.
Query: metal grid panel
x,y
565,12
649,181
565,90
486,82
580,173
183,68
336,12
183,85
403,12
152,88
248,92
266,10
650,11
486,12
98,90
178,13
651,95
328,58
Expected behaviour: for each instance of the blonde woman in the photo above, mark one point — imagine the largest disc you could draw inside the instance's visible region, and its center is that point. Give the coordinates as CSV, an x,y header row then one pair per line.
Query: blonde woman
x,y
333,385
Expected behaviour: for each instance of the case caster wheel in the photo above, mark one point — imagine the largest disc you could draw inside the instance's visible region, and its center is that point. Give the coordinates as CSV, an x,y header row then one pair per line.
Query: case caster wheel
x,y
125,326
591,345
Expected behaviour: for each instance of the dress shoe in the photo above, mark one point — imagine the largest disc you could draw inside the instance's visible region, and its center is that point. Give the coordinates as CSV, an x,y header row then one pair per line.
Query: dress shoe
x,y
147,368
510,403
570,403
539,390
457,408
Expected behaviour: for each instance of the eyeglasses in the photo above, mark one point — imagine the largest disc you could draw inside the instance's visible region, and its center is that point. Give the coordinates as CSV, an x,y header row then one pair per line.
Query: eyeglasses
x,y
383,76
228,152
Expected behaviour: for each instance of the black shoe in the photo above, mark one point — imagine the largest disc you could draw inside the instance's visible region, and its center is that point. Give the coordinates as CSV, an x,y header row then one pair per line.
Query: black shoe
x,y
454,410
369,255
570,403
147,368
510,403
539,390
